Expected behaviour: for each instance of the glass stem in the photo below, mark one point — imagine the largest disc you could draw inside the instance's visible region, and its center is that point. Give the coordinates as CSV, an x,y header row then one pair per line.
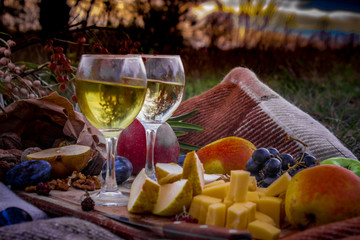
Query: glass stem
x,y
110,179
150,130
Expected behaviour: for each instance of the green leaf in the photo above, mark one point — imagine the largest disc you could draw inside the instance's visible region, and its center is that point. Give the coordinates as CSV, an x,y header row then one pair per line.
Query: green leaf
x,y
182,117
188,146
179,133
183,126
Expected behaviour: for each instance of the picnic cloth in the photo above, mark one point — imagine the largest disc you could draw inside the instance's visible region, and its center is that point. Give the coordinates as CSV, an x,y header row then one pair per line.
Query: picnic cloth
x,y
9,199
243,106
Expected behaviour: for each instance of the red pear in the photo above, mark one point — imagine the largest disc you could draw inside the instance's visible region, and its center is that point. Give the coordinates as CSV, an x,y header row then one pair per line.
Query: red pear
x,y
132,145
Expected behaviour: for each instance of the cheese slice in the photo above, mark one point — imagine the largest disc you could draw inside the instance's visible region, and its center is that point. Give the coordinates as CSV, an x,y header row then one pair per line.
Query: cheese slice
x,y
239,182
263,230
271,206
218,191
237,217
216,215
279,186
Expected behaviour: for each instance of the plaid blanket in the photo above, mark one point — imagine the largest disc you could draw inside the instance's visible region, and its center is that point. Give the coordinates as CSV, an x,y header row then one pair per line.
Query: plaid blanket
x,y
241,105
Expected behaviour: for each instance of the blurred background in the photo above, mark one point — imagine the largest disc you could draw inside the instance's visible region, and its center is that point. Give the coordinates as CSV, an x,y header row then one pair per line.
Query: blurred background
x,y
307,51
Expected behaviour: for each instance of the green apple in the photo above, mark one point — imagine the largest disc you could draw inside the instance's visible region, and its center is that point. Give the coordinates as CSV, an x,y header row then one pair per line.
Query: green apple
x,y
349,163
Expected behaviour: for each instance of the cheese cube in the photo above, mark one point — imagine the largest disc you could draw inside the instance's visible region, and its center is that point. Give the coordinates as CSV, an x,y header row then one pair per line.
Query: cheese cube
x,y
218,191
206,201
195,206
237,217
263,230
279,186
264,218
214,183
216,215
252,184
252,210
271,206
253,197
239,182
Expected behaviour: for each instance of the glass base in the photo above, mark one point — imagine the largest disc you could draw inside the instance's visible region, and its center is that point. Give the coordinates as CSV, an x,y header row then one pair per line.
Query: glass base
x,y
110,198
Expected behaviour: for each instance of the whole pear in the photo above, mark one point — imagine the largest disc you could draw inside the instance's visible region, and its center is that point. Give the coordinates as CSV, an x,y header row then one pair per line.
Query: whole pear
x,y
132,145
322,194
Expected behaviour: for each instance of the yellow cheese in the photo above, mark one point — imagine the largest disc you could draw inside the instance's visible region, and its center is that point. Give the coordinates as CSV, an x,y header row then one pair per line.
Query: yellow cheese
x,y
264,218
216,215
252,184
195,206
279,186
214,183
263,230
218,191
253,197
239,182
199,205
228,203
252,209
271,206
237,217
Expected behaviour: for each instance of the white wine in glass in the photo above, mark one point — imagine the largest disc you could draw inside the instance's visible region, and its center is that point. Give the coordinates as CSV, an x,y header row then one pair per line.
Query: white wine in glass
x,y
110,91
165,88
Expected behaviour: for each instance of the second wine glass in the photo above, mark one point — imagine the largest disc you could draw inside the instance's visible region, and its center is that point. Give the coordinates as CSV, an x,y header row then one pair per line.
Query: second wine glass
x,y
165,88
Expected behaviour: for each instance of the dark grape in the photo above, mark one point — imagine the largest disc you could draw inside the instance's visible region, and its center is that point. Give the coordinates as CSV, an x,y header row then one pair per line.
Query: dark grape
x,y
272,167
287,160
252,167
300,155
269,180
260,156
274,152
257,176
294,171
309,160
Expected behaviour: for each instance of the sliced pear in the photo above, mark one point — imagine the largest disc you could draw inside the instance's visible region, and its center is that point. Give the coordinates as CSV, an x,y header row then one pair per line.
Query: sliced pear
x,y
170,178
144,194
164,169
193,170
168,172
173,197
64,160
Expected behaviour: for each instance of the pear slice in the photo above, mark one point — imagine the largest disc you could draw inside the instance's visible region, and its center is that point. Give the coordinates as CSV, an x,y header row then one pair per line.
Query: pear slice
x,y
64,160
193,170
168,172
144,194
173,198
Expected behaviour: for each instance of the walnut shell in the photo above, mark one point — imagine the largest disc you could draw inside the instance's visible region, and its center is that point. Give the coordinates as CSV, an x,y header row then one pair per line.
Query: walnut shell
x,y
10,140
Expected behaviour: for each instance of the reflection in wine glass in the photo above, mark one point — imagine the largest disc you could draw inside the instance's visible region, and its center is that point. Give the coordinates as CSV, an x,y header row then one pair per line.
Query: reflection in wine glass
x,y
110,91
165,87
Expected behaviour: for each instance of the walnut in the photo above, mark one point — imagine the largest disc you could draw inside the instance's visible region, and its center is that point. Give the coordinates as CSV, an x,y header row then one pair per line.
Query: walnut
x,y
28,151
7,157
59,184
10,140
84,184
30,189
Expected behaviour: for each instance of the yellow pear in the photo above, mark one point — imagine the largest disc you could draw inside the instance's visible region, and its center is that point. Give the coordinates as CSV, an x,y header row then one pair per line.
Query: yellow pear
x,y
193,170
64,160
168,172
144,194
173,197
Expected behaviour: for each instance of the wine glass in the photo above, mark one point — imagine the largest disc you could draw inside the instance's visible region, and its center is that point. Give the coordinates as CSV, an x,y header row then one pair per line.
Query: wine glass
x,y
110,91
165,88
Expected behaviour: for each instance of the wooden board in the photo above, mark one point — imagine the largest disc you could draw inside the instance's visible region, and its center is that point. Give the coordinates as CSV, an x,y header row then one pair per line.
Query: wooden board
x,y
67,203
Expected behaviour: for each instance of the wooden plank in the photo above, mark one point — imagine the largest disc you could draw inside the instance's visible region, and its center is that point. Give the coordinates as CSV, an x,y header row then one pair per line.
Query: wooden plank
x,y
67,203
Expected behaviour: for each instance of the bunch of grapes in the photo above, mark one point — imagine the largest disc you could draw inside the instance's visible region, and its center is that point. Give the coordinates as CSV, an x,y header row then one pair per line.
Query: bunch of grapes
x,y
267,164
